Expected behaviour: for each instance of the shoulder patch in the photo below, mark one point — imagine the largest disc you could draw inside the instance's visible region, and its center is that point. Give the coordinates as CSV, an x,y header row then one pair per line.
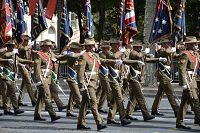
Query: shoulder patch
x,y
182,61
36,60
80,62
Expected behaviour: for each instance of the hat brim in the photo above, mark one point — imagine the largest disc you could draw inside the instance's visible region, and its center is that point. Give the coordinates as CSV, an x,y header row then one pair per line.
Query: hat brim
x,y
192,42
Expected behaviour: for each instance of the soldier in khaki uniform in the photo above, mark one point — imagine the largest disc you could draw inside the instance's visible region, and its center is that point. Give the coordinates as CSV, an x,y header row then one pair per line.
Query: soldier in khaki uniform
x,y
164,78
103,91
187,72
9,80
89,68
25,53
115,83
43,75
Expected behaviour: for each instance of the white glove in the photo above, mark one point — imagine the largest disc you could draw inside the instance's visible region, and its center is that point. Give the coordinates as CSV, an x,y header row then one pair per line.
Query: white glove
x,y
122,49
176,73
151,55
163,59
11,61
32,43
147,50
23,66
173,49
82,52
54,59
71,54
140,63
82,89
65,52
118,62
38,83
15,51
184,87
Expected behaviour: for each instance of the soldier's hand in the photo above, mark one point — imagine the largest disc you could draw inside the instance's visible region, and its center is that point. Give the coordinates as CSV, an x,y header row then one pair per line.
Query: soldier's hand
x,y
83,91
82,52
23,66
15,51
163,59
65,52
11,61
38,83
122,49
140,63
54,59
176,73
173,49
184,87
151,55
147,50
71,54
118,62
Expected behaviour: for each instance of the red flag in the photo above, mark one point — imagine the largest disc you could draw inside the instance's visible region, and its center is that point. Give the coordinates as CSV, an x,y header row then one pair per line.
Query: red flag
x,y
50,9
32,7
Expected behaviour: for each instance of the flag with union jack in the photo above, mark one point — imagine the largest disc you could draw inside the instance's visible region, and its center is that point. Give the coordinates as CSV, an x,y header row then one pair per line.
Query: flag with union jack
x,y
88,27
179,25
120,19
21,25
5,21
198,25
129,21
64,28
162,23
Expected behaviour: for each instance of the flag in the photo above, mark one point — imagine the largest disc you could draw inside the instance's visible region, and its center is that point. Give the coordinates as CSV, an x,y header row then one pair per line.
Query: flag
x,y
198,25
21,25
64,28
88,27
179,24
50,9
120,19
39,21
162,23
5,21
129,21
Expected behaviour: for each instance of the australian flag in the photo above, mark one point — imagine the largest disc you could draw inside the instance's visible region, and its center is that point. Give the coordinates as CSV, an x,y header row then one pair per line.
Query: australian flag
x,y
179,25
39,21
120,19
129,21
88,27
64,28
198,25
21,25
162,24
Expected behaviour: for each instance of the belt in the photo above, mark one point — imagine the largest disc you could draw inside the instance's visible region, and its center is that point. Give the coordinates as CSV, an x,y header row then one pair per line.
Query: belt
x,y
93,73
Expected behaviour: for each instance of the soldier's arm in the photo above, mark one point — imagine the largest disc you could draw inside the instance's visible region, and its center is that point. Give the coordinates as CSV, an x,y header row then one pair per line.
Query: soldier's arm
x,y
3,50
25,48
152,60
64,57
111,55
37,69
138,54
24,61
81,71
182,69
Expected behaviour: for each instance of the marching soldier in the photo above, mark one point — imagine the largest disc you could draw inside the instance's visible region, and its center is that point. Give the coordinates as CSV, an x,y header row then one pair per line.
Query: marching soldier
x,y
25,53
43,75
164,77
103,91
9,80
187,71
116,101
136,79
89,68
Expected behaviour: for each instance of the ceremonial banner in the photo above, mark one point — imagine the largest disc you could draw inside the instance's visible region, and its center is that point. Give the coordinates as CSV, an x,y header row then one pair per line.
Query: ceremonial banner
x,y
64,28
162,23
88,27
50,9
21,25
120,19
39,21
179,24
129,21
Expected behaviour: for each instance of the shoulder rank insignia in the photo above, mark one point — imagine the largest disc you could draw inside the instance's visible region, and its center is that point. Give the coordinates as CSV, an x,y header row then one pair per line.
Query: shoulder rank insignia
x,y
182,61
36,60
80,62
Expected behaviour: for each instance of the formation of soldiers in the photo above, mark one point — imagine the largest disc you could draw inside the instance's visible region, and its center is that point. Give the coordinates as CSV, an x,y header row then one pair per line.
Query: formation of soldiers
x,y
94,78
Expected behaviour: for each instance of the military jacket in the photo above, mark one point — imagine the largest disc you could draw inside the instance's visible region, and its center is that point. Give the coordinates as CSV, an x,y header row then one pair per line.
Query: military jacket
x,y
101,75
25,52
187,64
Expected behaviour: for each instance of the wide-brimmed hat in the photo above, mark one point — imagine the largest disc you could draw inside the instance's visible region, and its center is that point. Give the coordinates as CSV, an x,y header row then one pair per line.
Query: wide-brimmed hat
x,y
46,42
26,37
105,44
114,40
191,39
11,42
75,45
165,40
89,41
137,43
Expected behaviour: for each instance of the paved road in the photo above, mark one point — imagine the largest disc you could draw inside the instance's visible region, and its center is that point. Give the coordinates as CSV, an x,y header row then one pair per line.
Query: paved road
x,y
24,123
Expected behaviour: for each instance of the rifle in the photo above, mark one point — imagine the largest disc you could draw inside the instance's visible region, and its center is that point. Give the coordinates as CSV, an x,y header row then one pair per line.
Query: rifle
x,y
86,83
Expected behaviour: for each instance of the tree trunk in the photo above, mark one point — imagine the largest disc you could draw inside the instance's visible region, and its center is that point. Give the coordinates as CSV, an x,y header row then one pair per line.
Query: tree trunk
x,y
150,69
